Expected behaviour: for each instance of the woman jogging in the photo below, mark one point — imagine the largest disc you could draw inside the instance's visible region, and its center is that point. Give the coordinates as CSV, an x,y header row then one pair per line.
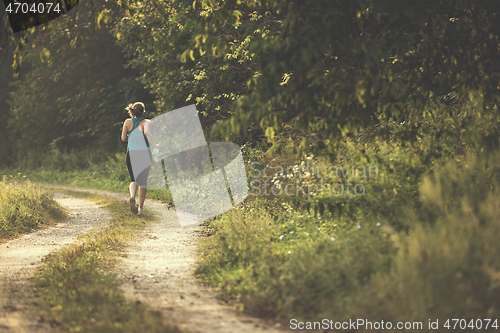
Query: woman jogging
x,y
138,157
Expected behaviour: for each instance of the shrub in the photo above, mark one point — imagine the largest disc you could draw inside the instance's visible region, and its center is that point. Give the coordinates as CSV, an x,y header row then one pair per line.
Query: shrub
x,y
448,265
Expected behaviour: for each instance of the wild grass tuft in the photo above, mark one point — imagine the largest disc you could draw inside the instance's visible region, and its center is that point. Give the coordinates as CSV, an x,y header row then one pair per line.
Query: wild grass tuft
x,y
24,207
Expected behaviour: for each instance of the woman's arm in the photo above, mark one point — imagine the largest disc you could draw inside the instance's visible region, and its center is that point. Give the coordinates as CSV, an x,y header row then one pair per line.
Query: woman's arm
x,y
124,131
148,134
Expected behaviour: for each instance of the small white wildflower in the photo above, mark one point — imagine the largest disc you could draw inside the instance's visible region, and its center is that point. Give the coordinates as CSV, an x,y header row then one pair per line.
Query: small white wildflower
x,y
281,237
332,239
378,224
289,252
358,227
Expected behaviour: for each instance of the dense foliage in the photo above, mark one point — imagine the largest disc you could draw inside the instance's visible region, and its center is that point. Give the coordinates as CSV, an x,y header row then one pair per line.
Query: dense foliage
x,y
291,264
298,72
68,90
318,69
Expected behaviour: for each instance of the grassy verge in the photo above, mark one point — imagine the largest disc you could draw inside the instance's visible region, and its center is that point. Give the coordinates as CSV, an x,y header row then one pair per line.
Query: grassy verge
x,y
76,289
443,264
25,207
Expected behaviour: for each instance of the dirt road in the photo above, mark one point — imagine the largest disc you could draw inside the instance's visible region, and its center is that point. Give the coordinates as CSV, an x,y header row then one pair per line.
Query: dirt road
x,y
19,257
158,269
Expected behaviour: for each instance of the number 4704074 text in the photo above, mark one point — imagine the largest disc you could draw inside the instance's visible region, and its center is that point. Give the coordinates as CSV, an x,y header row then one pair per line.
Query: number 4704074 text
x,y
39,8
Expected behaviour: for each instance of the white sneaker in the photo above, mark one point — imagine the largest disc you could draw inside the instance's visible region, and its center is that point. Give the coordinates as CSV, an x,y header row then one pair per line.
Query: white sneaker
x,y
139,212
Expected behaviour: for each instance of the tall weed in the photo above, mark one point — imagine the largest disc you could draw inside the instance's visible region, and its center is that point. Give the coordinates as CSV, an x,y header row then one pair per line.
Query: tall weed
x,y
448,266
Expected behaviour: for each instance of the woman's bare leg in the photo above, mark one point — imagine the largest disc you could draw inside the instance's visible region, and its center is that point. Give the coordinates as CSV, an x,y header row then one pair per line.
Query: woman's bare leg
x,y
142,196
133,189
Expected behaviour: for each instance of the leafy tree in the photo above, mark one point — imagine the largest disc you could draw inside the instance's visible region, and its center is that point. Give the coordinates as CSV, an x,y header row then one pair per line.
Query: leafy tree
x,y
424,74
329,68
157,35
72,90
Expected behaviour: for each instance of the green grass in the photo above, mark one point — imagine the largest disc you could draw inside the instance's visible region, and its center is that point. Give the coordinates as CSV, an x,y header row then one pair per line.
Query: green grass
x,y
77,290
421,244
287,263
25,206
444,263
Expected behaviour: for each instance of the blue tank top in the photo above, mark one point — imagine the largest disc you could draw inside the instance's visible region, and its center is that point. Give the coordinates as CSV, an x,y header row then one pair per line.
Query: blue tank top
x,y
137,139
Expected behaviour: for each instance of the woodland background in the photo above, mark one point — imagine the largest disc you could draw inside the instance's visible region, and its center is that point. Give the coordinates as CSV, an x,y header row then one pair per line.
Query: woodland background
x,y
412,87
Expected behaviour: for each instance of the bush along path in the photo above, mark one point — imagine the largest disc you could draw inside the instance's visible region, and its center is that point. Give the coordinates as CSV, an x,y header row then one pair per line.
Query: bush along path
x,y
18,258
156,270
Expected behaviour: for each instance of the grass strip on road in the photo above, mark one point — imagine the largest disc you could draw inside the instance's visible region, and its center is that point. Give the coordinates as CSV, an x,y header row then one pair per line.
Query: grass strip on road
x,y
76,288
